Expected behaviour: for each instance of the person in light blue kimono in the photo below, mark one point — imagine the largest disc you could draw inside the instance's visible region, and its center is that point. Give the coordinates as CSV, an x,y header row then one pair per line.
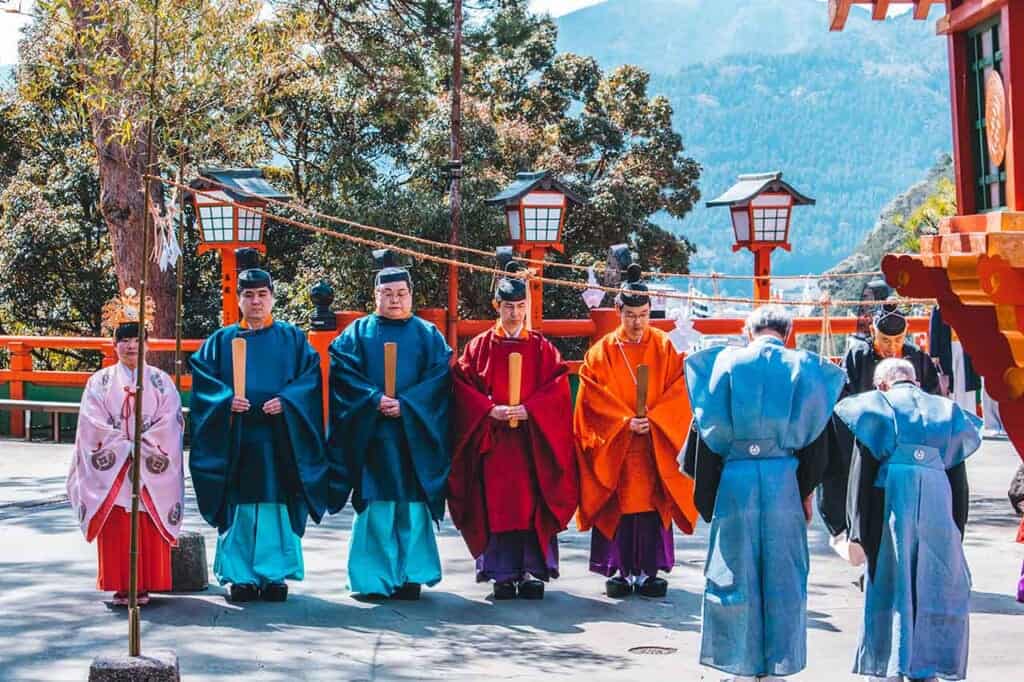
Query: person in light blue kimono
x,y
392,453
907,509
757,449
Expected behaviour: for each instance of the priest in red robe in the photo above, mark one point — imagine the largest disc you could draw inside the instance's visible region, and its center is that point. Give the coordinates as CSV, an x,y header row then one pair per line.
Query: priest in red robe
x,y
513,483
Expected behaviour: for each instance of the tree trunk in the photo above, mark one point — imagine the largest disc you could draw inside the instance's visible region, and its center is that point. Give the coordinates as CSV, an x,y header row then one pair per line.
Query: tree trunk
x,y
121,166
122,204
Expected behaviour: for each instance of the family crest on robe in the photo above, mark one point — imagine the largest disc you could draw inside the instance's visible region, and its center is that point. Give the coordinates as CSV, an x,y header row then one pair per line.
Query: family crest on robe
x,y
100,476
758,449
607,448
253,457
908,509
859,363
504,479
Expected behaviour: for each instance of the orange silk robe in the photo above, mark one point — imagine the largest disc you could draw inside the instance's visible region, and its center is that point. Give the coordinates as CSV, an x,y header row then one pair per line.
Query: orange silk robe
x,y
622,472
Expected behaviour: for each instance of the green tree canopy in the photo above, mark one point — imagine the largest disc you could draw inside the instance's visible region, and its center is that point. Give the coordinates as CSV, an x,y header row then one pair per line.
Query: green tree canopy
x,y
345,103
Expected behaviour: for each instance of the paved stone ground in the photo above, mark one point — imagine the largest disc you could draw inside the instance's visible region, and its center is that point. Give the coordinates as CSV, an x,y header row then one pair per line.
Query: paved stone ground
x,y
52,621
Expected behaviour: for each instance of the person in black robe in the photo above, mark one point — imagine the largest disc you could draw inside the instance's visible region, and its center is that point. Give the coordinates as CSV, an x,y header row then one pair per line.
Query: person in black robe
x,y
888,340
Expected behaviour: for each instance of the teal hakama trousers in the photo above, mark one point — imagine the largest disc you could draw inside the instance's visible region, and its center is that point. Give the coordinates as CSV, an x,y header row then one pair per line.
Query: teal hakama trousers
x,y
259,548
392,544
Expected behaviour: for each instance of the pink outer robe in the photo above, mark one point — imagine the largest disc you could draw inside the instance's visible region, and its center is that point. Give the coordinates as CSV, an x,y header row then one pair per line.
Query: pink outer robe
x,y
100,469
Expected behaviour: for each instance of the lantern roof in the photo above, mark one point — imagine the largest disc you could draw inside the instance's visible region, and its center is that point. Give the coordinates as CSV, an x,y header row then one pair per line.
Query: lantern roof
x,y
528,182
751,184
240,184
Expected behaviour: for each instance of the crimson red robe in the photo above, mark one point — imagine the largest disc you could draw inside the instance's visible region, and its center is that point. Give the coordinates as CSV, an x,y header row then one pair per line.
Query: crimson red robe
x,y
505,479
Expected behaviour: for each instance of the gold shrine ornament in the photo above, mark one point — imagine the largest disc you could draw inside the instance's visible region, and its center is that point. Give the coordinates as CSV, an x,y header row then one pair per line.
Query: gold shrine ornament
x,y
995,117
126,308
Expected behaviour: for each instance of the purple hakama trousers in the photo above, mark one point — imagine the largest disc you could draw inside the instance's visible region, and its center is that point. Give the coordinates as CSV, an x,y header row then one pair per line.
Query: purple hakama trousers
x,y
641,545
513,554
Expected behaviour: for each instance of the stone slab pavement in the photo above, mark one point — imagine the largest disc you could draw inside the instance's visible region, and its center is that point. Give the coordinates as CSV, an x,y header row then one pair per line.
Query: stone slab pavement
x,y
53,621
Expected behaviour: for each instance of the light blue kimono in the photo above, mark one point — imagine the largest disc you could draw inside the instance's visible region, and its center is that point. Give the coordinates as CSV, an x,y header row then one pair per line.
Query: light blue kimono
x,y
916,608
754,407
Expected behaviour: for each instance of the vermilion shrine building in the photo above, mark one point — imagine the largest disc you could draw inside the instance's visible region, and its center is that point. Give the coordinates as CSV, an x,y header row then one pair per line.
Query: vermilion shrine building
x,y
974,266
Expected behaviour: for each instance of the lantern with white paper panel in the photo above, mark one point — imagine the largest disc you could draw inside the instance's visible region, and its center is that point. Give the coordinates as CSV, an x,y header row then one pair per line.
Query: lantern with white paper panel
x,y
227,207
761,207
536,205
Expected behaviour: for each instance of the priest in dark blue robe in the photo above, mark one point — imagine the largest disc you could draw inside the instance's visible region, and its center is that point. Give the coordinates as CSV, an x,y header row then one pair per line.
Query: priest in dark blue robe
x,y
258,461
393,453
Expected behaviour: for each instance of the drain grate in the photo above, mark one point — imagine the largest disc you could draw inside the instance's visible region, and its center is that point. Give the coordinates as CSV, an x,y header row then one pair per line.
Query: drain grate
x,y
653,650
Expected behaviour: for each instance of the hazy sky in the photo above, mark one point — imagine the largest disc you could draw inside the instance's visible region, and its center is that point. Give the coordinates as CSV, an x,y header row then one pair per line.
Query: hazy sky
x,y
10,23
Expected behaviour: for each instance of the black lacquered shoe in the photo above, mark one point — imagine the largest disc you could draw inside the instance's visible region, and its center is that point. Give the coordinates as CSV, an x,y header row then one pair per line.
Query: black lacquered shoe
x,y
531,589
407,592
618,588
243,592
653,587
275,592
504,590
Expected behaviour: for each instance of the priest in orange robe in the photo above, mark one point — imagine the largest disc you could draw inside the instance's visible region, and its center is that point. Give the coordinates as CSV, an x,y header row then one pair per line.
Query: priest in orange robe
x,y
631,489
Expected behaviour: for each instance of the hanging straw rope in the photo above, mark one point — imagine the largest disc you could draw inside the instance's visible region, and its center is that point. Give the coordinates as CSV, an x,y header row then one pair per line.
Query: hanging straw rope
x,y
418,255
300,208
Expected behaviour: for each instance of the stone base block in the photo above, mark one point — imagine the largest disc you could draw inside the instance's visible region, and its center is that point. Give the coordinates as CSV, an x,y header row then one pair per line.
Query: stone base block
x,y
153,666
188,563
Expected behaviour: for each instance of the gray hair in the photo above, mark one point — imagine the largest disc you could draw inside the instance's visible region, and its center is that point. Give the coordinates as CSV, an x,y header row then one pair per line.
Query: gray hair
x,y
894,370
769,318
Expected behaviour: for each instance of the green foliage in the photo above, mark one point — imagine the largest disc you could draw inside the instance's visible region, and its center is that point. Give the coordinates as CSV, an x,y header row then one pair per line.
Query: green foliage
x,y
525,107
55,259
346,104
926,218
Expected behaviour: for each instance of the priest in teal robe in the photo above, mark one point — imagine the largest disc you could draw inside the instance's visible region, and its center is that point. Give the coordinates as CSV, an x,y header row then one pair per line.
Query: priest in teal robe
x,y
393,454
258,461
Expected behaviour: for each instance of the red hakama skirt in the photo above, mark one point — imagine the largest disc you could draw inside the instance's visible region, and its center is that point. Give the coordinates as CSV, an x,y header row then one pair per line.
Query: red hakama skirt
x,y
114,544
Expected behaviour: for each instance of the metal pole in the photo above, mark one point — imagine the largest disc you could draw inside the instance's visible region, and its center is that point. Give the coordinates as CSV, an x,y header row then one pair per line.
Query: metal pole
x,y
134,629
455,197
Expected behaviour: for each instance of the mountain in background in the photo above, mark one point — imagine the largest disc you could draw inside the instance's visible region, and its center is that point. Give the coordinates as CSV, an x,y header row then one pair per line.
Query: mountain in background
x,y
851,119
888,234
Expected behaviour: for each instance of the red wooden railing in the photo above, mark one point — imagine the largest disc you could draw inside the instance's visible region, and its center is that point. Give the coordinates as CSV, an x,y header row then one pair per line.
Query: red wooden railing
x,y
602,321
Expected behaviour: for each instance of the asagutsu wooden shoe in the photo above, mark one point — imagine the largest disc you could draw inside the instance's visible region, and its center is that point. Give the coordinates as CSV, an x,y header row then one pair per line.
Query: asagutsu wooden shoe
x,y
504,590
618,588
243,592
407,592
275,592
531,589
653,587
